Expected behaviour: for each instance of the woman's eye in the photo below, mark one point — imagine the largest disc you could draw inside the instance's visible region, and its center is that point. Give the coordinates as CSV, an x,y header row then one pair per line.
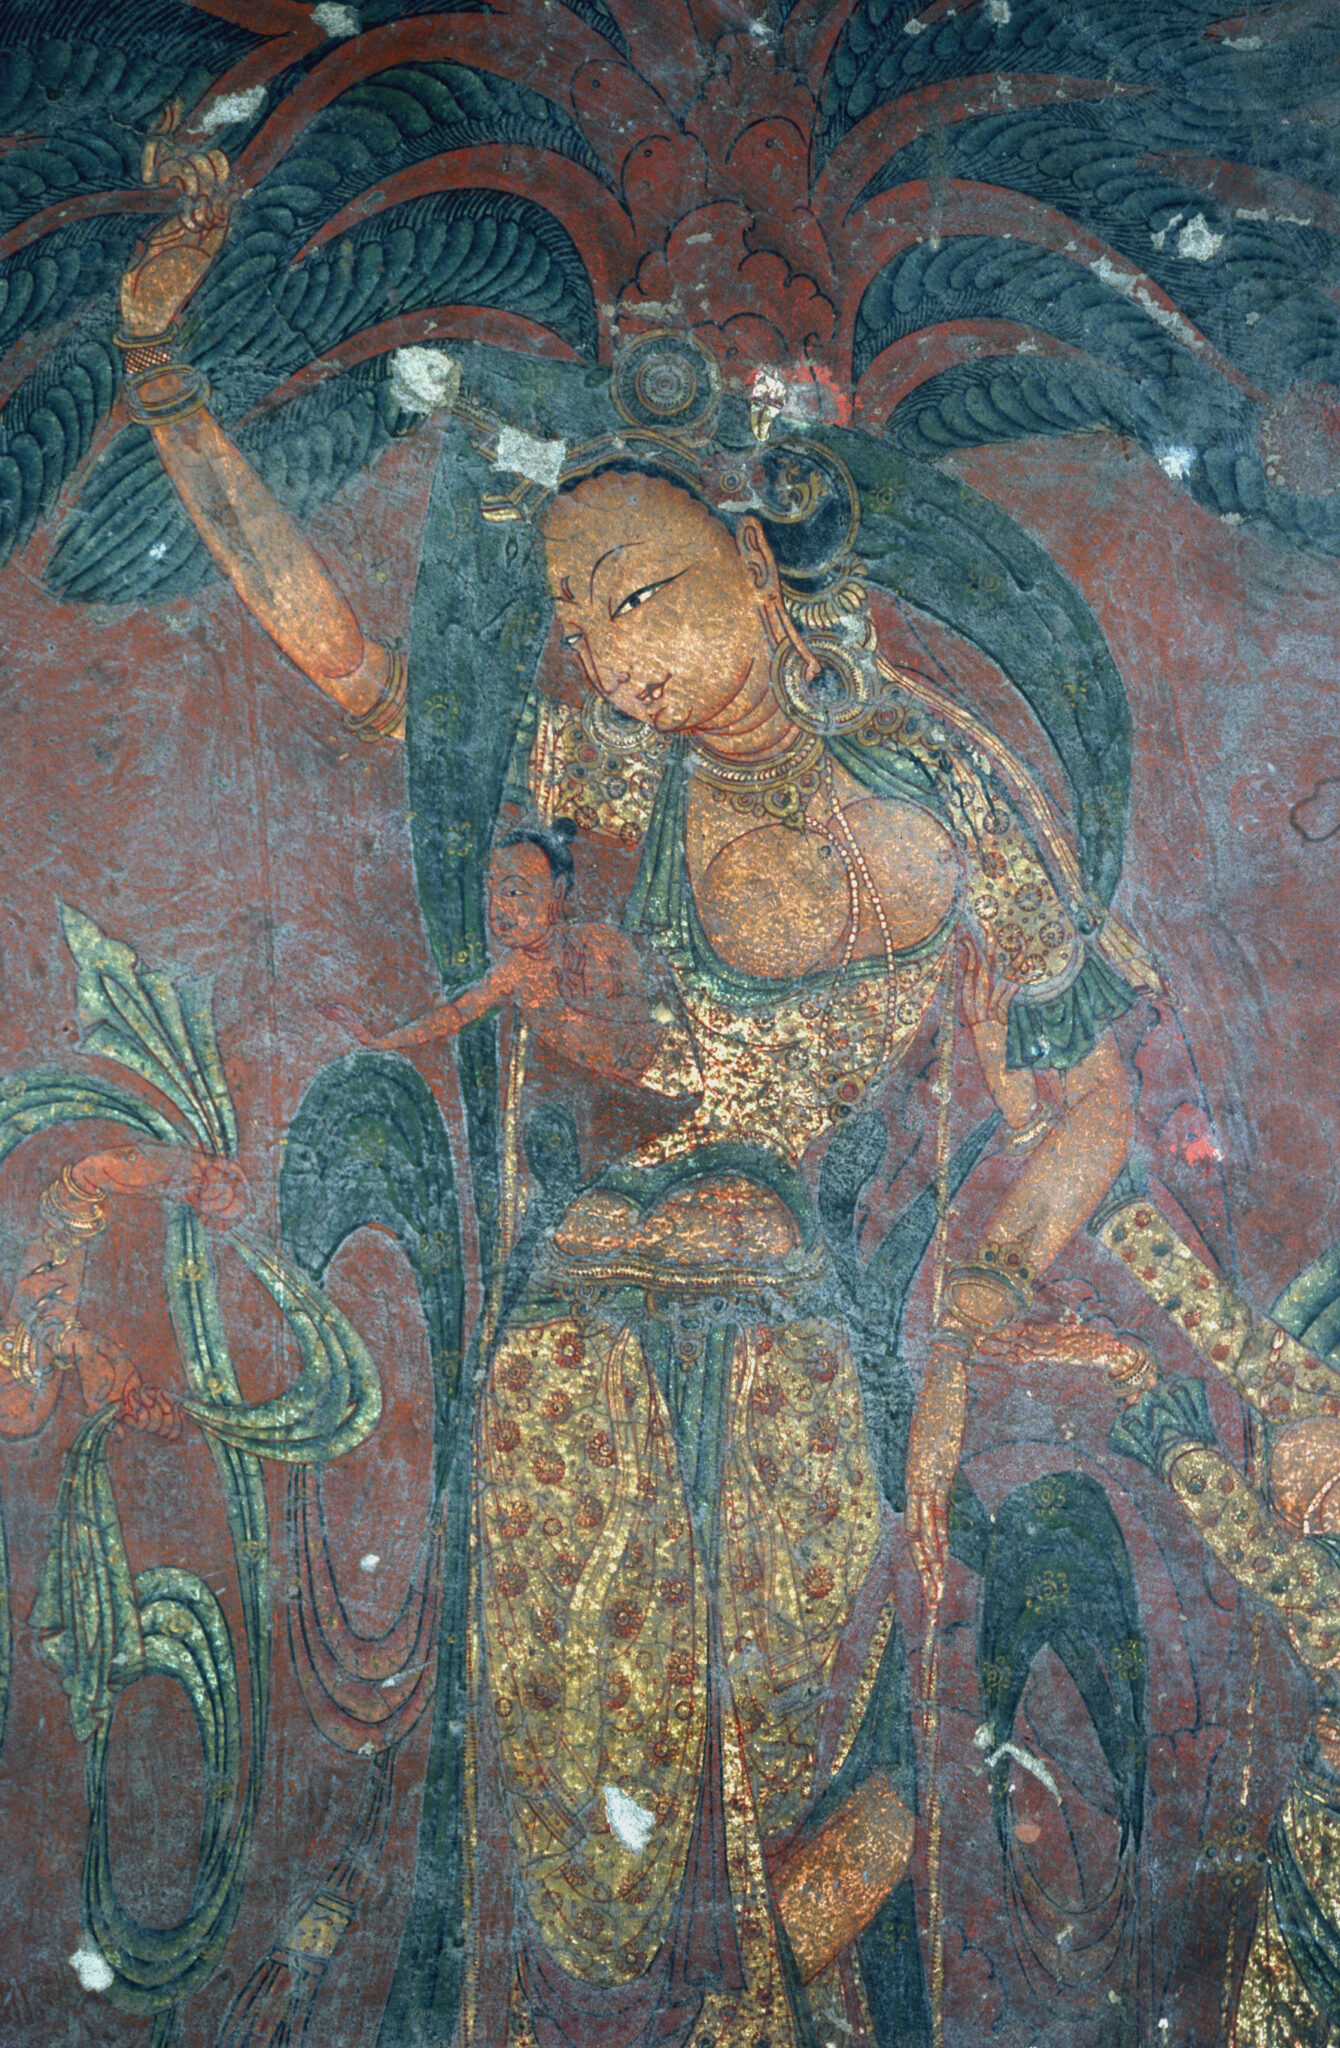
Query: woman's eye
x,y
639,597
571,639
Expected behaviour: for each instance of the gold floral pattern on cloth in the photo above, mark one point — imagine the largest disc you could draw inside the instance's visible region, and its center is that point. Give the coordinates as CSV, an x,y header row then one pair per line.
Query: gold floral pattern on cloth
x,y
1269,1368
595,1621
722,1224
782,1075
801,1526
606,793
1289,1573
1275,2008
1008,892
596,1599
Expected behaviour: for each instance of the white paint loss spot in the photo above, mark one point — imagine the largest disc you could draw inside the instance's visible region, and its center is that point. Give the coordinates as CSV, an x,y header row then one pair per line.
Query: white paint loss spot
x,y
914,27
1198,241
369,1561
424,379
998,11
631,1823
233,106
1160,238
157,551
336,21
92,1969
1176,462
524,455
1133,286
1243,43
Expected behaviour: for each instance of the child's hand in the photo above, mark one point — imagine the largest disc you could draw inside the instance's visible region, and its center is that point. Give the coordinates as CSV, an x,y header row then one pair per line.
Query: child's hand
x,y
348,1020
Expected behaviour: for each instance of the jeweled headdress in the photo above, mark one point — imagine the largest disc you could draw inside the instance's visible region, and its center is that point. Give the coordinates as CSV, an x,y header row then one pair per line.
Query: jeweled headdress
x,y
666,393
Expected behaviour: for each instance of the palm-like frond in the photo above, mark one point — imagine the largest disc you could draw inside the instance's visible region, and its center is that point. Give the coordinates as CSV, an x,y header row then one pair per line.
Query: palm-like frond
x,y
995,219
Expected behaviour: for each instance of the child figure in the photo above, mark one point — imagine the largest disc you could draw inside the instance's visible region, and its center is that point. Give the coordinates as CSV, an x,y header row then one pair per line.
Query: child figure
x,y
588,990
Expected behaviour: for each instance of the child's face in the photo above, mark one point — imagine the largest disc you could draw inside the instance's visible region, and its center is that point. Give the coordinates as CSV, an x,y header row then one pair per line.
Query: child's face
x,y
525,899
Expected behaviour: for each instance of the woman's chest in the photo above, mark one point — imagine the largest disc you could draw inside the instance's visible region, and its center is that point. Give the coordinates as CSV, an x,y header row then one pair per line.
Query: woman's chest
x,y
862,877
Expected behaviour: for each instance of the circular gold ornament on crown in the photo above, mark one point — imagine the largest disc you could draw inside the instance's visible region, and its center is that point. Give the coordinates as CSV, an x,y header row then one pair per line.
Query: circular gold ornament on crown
x,y
835,700
665,383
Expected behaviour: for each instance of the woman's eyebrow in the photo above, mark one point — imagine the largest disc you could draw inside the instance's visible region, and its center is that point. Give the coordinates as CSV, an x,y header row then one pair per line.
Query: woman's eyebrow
x,y
618,549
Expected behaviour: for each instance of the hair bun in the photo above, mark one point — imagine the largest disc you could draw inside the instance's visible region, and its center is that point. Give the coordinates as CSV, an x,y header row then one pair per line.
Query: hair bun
x,y
564,829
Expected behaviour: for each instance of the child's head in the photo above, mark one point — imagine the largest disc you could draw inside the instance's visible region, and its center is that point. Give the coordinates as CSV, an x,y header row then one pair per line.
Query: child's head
x,y
530,876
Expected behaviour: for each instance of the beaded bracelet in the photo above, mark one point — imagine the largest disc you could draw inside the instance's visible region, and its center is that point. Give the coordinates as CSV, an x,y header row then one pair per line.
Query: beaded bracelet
x,y
998,1269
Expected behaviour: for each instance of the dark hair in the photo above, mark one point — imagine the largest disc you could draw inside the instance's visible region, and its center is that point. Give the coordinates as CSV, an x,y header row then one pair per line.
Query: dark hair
x,y
554,843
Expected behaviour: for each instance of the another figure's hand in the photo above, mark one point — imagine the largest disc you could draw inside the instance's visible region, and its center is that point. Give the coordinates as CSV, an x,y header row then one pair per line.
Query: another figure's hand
x,y
933,1455
349,1020
217,1190
151,1410
180,251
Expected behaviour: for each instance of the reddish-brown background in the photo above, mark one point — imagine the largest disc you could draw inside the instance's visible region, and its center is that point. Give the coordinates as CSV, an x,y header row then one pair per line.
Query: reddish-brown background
x,y
169,774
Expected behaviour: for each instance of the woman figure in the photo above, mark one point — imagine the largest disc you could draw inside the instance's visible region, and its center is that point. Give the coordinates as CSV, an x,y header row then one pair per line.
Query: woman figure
x,y
684,1780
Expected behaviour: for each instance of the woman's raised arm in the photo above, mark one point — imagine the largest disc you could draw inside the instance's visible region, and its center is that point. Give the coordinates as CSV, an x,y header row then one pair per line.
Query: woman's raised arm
x,y
275,570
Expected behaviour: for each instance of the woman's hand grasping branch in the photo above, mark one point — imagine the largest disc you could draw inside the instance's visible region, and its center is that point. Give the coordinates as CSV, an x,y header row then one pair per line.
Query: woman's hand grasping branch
x,y
180,251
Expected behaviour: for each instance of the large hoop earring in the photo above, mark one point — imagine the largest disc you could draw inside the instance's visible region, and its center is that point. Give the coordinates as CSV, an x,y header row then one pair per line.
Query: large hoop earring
x,y
613,732
839,697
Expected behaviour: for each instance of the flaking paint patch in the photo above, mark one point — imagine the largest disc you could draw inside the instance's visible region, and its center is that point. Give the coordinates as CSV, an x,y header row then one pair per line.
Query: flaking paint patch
x,y
231,107
92,1969
525,455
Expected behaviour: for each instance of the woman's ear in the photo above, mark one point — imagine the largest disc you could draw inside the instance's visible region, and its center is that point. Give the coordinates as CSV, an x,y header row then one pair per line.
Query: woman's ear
x,y
757,556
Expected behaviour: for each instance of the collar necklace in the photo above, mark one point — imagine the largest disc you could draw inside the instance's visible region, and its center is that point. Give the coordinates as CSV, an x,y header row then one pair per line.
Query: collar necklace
x,y
777,789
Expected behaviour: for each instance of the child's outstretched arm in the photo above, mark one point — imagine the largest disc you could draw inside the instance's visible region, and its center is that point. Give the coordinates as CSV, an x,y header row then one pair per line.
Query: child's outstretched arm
x,y
444,1020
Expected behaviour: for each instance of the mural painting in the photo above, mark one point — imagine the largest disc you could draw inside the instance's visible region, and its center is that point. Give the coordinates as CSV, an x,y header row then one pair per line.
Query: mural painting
x,y
670,1362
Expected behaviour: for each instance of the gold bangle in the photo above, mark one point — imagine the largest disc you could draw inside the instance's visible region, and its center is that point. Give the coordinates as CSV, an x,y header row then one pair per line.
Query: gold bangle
x,y
1033,1133
386,718
18,1354
188,392
66,1208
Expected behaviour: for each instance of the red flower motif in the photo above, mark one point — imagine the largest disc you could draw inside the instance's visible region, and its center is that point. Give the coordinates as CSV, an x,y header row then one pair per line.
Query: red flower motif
x,y
515,1373
514,1519
674,1592
768,1398
512,1580
545,1626
768,1470
600,1449
506,1434
590,1512
818,1582
570,1352
618,1691
556,1407
824,1504
626,1619
680,1668
548,1467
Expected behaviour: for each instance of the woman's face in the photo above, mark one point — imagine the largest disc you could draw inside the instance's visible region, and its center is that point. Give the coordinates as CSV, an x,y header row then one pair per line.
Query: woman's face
x,y
657,600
